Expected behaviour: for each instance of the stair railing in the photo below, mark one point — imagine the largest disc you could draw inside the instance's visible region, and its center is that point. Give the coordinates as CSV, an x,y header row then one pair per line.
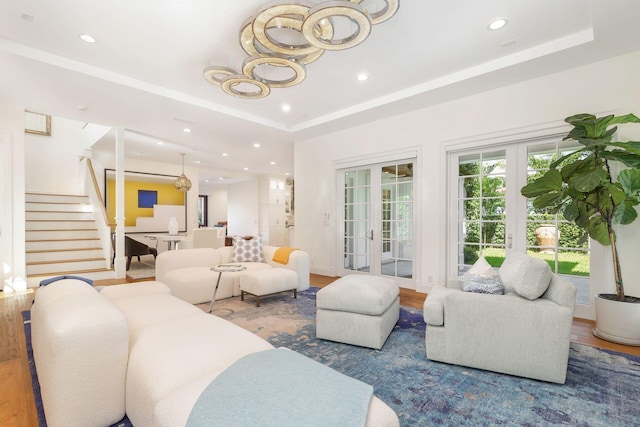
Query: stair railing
x,y
97,202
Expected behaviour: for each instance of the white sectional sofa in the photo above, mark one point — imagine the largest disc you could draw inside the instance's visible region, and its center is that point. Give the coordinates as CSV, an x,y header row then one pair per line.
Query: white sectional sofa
x,y
135,348
188,274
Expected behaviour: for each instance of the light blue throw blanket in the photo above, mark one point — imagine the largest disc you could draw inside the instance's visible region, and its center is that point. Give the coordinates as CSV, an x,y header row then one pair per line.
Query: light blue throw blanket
x,y
280,387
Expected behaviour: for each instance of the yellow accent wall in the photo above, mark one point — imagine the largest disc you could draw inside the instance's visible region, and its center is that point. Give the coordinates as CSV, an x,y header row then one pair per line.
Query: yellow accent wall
x,y
167,195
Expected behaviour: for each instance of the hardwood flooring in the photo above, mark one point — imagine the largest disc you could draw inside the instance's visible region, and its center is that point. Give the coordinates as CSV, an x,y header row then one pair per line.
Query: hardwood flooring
x,y
17,404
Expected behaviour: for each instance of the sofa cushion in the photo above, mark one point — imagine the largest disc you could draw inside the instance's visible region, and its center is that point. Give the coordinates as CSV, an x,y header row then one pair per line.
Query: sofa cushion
x,y
247,250
529,277
482,278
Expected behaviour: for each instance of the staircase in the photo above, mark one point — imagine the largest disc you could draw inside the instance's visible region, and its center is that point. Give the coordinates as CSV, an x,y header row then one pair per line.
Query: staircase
x,y
61,236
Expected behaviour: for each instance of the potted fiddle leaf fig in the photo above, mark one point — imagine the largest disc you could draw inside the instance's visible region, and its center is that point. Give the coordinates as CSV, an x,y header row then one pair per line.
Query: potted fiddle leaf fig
x,y
582,186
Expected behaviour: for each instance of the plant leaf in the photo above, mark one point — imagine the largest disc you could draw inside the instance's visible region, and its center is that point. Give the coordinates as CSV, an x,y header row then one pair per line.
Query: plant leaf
x,y
628,159
551,181
629,179
625,213
571,211
630,146
627,118
599,231
552,199
589,181
617,194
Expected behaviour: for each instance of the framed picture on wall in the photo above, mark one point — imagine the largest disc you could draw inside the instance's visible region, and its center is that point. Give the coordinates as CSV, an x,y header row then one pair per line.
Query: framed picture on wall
x,y
150,201
37,123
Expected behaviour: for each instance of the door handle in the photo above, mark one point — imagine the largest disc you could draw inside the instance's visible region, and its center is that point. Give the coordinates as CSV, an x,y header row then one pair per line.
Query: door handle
x,y
371,235
509,241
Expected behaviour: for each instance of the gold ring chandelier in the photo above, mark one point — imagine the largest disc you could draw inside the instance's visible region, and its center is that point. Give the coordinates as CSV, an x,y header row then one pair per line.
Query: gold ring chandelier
x,y
316,32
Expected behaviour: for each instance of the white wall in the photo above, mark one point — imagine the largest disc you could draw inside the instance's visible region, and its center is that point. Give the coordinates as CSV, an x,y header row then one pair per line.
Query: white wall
x,y
603,86
57,156
12,206
242,207
217,203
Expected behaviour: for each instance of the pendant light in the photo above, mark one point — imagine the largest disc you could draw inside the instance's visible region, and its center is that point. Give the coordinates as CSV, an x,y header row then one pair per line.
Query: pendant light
x,y
183,183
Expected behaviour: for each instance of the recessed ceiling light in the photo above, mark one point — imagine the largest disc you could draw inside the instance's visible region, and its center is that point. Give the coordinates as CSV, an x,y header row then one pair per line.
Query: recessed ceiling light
x,y
286,173
87,38
246,169
256,145
159,143
197,162
272,163
286,107
225,154
221,178
26,17
186,130
206,180
362,77
81,108
498,23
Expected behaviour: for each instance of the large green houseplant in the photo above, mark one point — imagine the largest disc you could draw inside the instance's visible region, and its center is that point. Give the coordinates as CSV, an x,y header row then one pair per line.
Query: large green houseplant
x,y
583,188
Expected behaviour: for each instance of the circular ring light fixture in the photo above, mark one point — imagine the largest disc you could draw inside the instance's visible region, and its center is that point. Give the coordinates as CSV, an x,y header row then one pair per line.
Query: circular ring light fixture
x,y
229,86
252,62
216,74
390,8
324,12
301,10
252,47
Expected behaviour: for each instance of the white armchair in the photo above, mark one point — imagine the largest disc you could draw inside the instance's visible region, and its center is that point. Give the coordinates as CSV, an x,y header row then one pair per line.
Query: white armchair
x,y
509,333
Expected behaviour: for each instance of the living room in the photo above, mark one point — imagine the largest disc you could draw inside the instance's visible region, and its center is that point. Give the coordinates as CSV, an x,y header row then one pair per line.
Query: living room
x,y
494,105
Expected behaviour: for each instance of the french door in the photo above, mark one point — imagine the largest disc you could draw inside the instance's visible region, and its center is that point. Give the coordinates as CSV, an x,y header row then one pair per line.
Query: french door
x,y
490,218
377,220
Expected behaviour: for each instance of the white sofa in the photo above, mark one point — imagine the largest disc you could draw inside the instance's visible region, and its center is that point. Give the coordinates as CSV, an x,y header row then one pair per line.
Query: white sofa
x,y
188,274
527,336
135,348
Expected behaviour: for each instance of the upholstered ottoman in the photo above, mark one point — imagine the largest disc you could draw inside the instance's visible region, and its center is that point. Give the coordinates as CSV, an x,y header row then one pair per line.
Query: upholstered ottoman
x,y
358,309
270,281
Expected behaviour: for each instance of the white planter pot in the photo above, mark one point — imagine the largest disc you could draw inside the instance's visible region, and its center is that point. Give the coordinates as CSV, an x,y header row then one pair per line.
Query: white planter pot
x,y
617,321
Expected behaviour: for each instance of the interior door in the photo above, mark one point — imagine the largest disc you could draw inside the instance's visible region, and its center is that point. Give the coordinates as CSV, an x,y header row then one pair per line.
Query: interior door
x,y
377,223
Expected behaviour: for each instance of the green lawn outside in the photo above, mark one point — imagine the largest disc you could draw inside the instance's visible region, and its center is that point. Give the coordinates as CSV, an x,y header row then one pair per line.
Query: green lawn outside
x,y
572,263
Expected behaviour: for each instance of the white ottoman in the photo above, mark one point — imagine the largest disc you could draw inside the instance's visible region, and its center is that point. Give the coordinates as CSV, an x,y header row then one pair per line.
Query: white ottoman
x,y
358,309
270,281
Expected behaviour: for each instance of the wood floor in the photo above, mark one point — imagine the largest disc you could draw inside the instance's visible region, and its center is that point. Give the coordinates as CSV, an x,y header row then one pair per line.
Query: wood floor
x,y
17,405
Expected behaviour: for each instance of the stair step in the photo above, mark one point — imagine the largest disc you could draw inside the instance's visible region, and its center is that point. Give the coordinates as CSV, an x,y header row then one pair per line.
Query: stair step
x,y
63,254
69,234
59,244
37,215
74,272
58,207
55,198
65,266
44,225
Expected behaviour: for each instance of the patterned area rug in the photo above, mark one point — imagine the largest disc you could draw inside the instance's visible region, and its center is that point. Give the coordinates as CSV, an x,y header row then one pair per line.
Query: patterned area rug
x,y
602,388
144,269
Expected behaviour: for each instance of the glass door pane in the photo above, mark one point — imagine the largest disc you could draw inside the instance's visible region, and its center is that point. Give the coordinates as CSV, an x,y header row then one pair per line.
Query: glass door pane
x,y
396,254
551,237
357,190
482,207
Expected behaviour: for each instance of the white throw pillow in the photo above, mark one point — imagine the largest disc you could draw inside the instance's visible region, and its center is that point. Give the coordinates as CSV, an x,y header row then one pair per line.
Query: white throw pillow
x,y
247,250
529,277
482,278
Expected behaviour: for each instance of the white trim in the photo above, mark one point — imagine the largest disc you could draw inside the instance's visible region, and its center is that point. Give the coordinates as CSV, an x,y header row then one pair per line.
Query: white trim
x,y
372,159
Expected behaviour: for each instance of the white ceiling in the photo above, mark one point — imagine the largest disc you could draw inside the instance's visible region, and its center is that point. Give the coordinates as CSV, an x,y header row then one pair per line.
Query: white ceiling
x,y
144,73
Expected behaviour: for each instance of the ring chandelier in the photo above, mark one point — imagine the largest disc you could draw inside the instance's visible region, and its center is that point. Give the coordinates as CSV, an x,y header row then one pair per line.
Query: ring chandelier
x,y
314,24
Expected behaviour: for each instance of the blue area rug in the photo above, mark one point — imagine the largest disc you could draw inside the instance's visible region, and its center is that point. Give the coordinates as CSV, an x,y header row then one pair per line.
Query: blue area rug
x,y
602,388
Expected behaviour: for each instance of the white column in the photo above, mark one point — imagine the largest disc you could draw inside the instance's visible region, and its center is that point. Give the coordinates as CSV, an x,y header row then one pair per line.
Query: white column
x,y
121,260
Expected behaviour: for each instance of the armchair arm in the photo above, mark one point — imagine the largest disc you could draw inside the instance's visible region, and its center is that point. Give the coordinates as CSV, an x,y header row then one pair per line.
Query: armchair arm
x,y
298,262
